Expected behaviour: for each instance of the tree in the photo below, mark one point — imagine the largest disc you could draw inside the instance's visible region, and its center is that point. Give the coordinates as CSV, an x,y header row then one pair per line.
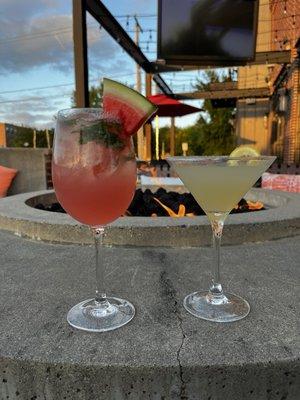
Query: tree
x,y
23,137
216,135
95,96
213,133
191,135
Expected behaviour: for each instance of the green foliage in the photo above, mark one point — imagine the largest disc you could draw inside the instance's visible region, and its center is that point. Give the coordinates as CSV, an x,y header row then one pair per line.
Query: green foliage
x,y
95,96
190,134
104,132
23,137
212,134
216,135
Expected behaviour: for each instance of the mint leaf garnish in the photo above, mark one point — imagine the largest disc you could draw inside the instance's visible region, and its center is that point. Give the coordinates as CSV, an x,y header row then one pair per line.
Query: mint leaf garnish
x,y
105,132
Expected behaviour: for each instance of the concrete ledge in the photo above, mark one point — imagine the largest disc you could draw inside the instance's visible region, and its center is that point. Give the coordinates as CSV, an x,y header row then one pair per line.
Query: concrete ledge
x,y
281,220
31,166
164,353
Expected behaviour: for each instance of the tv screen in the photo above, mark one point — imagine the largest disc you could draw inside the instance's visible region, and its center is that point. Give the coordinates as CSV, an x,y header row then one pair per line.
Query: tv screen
x,y
208,32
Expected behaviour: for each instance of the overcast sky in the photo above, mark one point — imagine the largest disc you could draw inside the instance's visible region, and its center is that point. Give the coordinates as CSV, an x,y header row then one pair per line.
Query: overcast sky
x,y
36,51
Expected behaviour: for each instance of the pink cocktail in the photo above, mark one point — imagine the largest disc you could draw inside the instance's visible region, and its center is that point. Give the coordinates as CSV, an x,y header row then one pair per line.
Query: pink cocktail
x,y
94,177
96,193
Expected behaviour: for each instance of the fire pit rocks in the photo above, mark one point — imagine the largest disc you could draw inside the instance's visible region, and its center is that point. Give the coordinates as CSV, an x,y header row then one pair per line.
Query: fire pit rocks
x,y
280,219
163,203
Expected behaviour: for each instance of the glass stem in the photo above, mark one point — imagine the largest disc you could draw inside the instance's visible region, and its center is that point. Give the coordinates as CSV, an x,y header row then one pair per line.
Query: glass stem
x,y
100,295
216,290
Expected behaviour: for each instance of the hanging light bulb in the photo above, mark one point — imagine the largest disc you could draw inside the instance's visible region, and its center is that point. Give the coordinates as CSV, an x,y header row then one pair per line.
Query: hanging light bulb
x,y
284,9
150,35
127,22
275,38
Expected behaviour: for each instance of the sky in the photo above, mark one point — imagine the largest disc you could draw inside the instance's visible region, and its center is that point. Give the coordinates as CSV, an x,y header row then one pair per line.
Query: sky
x,y
36,57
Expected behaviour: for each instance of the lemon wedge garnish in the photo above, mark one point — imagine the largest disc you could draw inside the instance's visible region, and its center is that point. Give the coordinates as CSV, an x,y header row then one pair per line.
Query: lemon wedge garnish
x,y
244,151
241,152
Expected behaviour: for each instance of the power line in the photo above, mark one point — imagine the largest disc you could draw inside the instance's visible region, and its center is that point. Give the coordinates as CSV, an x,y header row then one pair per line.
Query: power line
x,y
278,19
36,35
65,30
60,85
37,88
136,15
273,3
37,98
30,36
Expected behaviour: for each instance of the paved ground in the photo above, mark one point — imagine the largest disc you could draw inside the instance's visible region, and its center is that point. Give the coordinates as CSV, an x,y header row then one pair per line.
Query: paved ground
x,y
164,353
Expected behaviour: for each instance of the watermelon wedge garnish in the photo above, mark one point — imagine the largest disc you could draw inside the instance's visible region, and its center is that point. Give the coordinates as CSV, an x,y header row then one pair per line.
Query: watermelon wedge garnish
x,y
130,107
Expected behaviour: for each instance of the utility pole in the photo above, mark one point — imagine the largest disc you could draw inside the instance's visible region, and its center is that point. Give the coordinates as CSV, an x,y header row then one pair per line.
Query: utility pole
x,y
34,139
48,139
140,133
147,126
80,53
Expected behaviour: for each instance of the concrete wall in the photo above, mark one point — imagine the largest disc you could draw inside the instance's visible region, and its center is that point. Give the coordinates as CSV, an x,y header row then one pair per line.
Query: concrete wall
x,y
30,164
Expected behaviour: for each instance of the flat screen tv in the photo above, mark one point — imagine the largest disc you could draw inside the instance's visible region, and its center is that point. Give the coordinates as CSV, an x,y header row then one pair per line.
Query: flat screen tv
x,y
207,32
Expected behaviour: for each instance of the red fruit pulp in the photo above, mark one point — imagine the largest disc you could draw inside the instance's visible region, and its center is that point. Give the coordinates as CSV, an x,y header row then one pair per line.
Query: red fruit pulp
x,y
132,118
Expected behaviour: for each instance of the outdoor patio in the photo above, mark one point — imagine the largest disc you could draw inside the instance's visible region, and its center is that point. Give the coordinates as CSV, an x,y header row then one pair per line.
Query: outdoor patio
x,y
232,74
164,353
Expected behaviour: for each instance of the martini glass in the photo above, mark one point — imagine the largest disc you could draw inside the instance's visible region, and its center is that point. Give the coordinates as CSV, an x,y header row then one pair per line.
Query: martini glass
x,y
94,177
218,183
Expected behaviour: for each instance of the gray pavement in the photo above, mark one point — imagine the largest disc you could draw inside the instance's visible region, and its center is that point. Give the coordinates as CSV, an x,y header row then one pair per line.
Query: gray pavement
x,y
164,353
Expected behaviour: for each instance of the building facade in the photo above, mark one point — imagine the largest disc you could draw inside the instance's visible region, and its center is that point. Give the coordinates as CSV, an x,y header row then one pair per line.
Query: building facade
x,y
285,100
272,124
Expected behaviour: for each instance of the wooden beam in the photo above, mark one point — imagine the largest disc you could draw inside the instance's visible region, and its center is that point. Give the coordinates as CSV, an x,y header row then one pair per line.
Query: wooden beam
x,y
264,57
102,15
172,137
80,54
226,94
271,57
147,126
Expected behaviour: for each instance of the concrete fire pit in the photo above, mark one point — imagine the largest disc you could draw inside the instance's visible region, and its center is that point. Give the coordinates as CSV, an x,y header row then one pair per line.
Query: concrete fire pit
x,y
280,220
164,353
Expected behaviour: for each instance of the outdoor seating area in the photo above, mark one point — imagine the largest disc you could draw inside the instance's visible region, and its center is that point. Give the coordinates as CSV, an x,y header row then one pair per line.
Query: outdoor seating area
x,y
160,264
164,352
150,200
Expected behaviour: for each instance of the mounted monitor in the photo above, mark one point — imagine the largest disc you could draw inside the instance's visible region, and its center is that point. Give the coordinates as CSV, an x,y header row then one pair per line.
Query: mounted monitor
x,y
207,32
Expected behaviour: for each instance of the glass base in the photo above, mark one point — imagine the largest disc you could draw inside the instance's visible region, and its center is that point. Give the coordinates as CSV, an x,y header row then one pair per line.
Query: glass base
x,y
226,307
93,316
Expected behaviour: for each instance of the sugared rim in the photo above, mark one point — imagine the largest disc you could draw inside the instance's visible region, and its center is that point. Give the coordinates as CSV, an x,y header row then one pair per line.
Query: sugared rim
x,y
66,111
195,159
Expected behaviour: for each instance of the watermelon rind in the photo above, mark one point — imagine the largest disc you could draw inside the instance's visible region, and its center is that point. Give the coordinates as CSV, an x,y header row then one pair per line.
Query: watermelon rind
x,y
131,98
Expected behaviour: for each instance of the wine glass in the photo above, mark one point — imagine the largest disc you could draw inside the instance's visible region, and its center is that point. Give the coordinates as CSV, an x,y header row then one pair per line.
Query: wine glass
x,y
218,183
94,177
